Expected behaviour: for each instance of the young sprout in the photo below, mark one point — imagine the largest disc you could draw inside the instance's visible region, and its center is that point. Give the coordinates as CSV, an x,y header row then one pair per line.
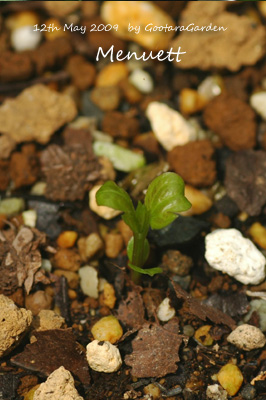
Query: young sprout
x,y
163,200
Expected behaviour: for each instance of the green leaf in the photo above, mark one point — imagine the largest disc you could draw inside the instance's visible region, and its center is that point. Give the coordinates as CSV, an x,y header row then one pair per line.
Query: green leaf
x,y
148,271
111,195
165,198
145,252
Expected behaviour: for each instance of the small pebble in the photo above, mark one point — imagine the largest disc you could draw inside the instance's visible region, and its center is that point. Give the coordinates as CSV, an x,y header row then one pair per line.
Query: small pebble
x,y
228,251
258,102
103,356
200,202
67,239
14,322
90,246
165,312
38,301
107,98
113,244
210,87
258,234
67,259
177,263
30,218
248,392
191,101
188,330
216,392
140,14
59,385
169,126
25,38
46,265
108,295
142,81
112,74
89,281
107,328
230,378
38,189
11,206
203,336
247,337
122,159
48,319
153,391
20,19
102,211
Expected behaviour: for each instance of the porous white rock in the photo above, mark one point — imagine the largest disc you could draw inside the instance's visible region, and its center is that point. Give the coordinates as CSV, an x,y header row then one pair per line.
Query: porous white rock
x,y
258,102
228,251
165,312
247,337
89,281
141,80
169,126
216,392
14,322
25,38
103,356
58,386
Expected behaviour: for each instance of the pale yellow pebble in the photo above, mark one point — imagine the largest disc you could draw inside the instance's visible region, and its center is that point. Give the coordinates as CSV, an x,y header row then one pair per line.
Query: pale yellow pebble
x,y
54,33
153,391
90,246
109,297
202,335
107,329
22,18
191,101
112,74
113,244
262,7
38,189
200,202
103,211
258,234
139,13
230,378
67,239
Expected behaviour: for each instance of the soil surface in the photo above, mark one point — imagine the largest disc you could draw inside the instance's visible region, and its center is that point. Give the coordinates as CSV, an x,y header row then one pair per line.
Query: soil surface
x,y
68,124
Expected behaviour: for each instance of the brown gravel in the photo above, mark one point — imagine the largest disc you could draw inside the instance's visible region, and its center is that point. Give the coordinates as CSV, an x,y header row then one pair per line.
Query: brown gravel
x,y
233,120
119,125
24,166
194,162
83,73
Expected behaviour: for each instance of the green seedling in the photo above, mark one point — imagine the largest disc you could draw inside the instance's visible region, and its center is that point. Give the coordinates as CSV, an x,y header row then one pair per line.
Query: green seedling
x,y
163,201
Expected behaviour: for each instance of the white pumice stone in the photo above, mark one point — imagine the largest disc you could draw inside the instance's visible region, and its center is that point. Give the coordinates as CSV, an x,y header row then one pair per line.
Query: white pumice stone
x,y
216,392
141,80
228,251
169,126
103,356
89,281
25,38
58,386
247,337
258,102
30,218
165,312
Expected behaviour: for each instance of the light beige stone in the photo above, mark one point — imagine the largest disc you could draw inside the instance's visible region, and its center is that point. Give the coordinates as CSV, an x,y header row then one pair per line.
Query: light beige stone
x,y
58,386
247,337
14,322
35,114
138,13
